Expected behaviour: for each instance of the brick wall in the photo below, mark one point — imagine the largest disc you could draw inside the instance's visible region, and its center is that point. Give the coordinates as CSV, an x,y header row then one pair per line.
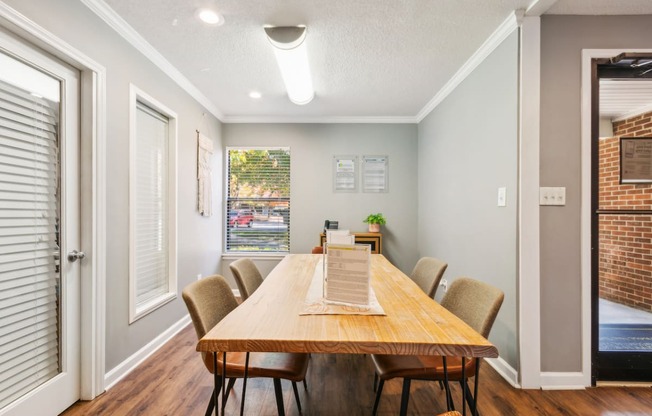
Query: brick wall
x,y
625,240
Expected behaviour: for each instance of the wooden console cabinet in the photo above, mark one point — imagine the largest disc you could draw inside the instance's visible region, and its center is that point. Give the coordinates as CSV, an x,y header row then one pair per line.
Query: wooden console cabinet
x,y
375,240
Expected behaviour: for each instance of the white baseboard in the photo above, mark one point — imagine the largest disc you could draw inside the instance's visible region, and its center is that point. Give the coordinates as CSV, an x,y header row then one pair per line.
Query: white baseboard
x,y
549,380
121,370
503,368
563,381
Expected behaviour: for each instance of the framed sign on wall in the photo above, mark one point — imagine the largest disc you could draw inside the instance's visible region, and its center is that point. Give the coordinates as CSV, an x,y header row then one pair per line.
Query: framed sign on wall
x,y
636,160
345,177
375,174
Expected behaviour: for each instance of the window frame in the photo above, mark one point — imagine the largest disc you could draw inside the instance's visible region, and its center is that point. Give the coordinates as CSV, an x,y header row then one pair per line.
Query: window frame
x,y
225,220
137,311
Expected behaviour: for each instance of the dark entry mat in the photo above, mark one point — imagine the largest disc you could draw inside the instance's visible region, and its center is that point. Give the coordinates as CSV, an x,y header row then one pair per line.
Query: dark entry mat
x,y
625,337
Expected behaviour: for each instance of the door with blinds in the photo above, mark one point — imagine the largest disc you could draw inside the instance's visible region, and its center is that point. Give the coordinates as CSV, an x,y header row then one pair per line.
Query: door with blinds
x,y
39,231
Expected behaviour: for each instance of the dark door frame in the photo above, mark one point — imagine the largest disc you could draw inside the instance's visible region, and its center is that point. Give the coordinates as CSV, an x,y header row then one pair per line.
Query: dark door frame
x,y
612,366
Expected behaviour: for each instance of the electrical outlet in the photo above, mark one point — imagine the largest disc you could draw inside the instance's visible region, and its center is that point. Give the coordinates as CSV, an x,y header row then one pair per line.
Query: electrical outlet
x,y
199,276
444,284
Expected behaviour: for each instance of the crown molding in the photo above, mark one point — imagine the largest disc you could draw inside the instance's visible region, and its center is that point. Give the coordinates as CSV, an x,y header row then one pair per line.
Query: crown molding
x,y
317,120
539,7
117,23
496,38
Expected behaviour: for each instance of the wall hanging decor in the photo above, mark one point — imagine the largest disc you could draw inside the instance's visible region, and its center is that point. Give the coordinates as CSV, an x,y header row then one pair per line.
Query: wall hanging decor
x,y
204,175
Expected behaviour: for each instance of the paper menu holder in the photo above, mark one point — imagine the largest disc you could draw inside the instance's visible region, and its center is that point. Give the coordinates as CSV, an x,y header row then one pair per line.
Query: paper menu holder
x,y
347,271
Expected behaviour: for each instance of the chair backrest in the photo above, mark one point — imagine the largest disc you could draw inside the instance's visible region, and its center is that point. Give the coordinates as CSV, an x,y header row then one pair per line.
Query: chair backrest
x,y
427,273
208,301
247,276
474,302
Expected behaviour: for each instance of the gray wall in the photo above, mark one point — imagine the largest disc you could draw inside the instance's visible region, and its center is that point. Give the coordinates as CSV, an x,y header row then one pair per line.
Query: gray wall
x,y
562,41
467,150
312,148
199,239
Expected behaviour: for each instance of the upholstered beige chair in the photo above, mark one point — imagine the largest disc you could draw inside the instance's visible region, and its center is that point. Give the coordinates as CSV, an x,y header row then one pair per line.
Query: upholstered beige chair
x,y
477,304
211,299
427,274
247,276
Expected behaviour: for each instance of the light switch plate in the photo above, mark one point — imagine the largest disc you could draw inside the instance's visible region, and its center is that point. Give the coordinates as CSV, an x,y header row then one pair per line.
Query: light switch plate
x,y
502,199
552,195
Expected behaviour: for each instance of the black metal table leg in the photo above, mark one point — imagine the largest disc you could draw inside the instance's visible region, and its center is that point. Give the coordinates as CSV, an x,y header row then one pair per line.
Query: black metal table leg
x,y
449,398
223,382
216,384
244,384
463,386
475,387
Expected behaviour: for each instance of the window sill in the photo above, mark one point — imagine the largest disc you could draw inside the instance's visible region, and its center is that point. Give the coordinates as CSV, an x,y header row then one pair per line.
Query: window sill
x,y
151,306
259,256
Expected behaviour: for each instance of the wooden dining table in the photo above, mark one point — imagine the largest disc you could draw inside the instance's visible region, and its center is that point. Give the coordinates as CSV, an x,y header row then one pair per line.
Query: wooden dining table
x,y
272,319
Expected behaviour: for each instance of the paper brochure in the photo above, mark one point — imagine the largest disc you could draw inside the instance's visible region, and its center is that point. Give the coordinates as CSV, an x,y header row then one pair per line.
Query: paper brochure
x,y
348,268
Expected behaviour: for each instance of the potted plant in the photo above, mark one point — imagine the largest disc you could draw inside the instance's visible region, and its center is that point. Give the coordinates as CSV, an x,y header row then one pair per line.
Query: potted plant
x,y
375,221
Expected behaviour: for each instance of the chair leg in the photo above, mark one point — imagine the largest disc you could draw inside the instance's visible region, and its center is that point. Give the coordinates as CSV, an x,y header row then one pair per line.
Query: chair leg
x,y
305,385
375,380
469,397
229,387
211,403
475,387
296,395
378,393
449,397
278,391
405,396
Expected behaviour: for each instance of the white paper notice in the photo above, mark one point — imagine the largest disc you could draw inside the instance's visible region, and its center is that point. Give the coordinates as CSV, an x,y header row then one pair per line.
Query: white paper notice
x,y
348,269
345,175
374,174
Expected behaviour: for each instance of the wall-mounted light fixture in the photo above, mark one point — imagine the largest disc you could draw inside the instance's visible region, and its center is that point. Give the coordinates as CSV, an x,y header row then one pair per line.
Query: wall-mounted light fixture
x,y
292,57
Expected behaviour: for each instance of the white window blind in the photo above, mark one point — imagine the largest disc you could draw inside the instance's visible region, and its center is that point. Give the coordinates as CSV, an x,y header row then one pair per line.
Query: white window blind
x,y
258,200
29,249
151,219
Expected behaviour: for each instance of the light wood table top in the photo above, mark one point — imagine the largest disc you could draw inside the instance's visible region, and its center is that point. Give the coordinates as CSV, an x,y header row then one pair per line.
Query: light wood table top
x,y
270,321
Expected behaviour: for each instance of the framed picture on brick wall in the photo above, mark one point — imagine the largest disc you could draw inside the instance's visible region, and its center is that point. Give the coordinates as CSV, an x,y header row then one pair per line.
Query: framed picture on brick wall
x,y
636,160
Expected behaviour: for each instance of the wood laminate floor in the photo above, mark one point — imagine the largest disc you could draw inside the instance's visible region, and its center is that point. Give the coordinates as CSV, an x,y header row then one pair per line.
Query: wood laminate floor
x,y
174,382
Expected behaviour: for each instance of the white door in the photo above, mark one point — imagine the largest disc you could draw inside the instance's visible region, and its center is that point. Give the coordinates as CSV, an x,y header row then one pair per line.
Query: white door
x,y
39,227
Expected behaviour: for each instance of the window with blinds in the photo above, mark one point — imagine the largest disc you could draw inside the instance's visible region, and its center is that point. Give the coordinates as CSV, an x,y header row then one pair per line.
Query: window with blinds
x,y
152,222
258,200
29,242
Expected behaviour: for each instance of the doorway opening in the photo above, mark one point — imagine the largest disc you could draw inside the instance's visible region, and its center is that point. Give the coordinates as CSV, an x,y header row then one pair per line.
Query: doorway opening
x,y
621,223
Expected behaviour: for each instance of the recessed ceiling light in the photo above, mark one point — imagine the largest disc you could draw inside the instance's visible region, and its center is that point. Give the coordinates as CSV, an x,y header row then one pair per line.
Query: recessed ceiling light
x,y
210,17
255,94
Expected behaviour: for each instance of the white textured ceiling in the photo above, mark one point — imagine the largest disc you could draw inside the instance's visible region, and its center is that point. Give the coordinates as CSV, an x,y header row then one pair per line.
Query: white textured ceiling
x,y
625,98
369,58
